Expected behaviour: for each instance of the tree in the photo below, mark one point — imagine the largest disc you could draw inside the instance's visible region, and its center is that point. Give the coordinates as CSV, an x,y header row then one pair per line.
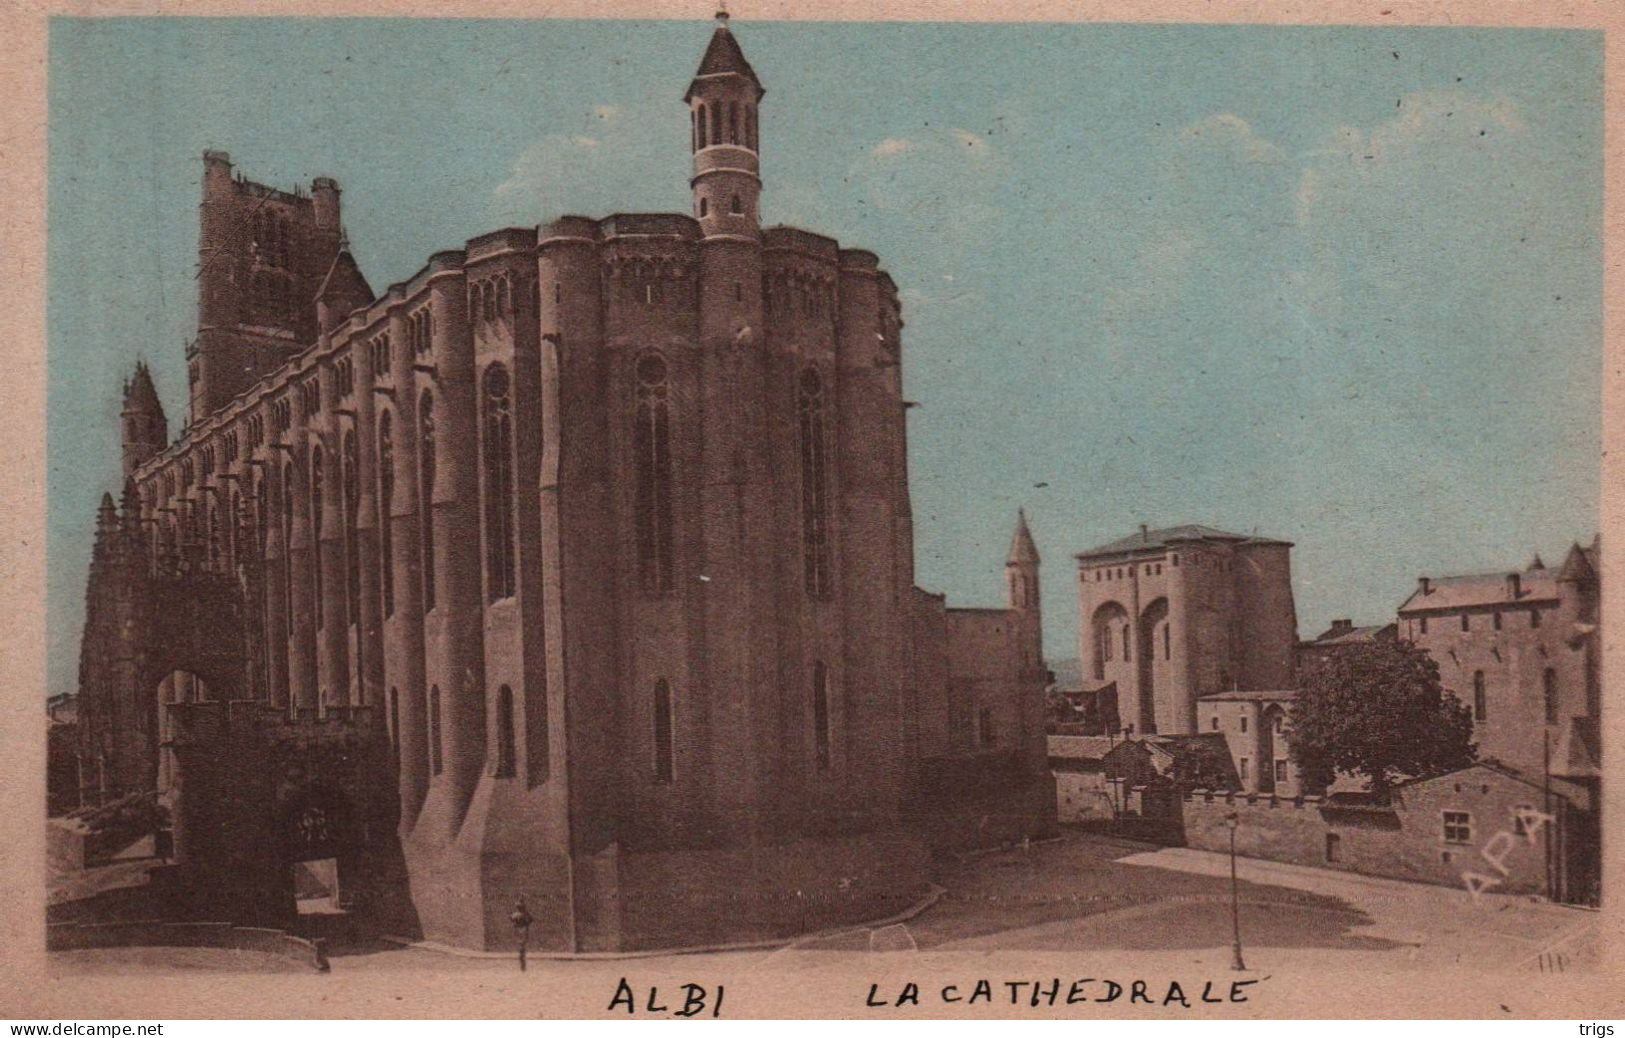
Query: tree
x,y
1378,710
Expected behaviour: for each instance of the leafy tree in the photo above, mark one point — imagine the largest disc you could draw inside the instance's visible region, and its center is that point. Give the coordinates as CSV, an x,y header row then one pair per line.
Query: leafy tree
x,y
1378,711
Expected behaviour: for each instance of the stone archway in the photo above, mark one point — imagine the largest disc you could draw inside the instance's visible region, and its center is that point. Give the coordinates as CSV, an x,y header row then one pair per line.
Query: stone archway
x,y
1152,657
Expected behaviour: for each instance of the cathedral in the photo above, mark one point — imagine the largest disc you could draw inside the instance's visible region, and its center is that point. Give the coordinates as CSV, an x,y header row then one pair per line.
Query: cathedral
x,y
577,568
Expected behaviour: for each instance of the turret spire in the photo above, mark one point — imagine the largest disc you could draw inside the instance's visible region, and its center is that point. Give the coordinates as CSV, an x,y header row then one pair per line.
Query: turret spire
x,y
722,100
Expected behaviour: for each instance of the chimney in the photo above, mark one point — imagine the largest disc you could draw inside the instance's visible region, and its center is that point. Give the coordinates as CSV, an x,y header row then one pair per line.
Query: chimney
x,y
1425,585
1514,586
1145,534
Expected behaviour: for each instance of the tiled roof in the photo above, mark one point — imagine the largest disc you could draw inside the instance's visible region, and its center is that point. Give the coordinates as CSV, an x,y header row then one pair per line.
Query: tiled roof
x,y
1482,589
1352,635
1080,747
1272,696
1154,539
723,57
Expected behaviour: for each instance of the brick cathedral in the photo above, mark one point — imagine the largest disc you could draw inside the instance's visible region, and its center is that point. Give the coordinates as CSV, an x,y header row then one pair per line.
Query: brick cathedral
x,y
576,567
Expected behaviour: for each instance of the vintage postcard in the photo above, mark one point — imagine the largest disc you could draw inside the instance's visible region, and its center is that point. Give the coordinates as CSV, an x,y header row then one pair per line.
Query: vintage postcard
x,y
878,512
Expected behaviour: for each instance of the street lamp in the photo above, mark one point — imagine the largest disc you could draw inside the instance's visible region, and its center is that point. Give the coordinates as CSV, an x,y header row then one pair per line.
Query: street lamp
x,y
521,927
1232,820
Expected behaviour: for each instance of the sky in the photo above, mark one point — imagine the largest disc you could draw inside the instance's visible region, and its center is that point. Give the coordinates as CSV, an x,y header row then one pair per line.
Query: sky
x,y
1340,286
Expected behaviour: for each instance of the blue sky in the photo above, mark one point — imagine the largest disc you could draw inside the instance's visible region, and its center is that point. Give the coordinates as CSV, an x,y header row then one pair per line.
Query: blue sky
x,y
1339,285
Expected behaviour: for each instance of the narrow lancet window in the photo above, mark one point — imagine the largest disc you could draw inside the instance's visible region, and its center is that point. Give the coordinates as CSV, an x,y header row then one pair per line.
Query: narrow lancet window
x,y
815,549
426,467
651,443
499,485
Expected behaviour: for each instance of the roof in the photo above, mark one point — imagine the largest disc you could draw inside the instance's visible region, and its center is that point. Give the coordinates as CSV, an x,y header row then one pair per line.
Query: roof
x,y
139,392
1349,635
1152,540
1022,548
724,58
1577,753
1260,696
1080,747
1482,589
345,284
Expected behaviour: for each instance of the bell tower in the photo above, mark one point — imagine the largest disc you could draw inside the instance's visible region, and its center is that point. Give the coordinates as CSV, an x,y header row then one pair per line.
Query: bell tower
x,y
722,102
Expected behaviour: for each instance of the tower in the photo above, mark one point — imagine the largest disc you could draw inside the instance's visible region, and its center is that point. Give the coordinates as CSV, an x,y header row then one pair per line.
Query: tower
x,y
722,102
145,430
1021,590
263,255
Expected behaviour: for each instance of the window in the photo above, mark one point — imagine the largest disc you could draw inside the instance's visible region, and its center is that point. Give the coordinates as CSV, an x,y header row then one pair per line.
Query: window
x,y
287,540
504,764
1424,624
985,724
395,721
316,529
663,732
651,444
821,716
1280,723
1167,643
704,206
1215,725
435,755
1458,827
736,207
1107,642
1125,642
1174,559
426,466
702,137
499,485
815,555
1333,842
1534,618
1466,622
1480,700
1548,689
715,135
1280,771
1244,722
386,508
352,549
1495,619
1241,768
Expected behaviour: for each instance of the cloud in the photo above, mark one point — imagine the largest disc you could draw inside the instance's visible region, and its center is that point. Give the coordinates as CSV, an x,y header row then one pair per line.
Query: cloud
x,y
892,146
539,165
1426,117
1308,194
1229,130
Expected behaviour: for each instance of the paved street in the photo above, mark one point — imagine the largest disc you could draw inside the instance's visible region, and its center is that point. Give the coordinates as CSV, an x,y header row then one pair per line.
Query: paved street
x,y
1093,893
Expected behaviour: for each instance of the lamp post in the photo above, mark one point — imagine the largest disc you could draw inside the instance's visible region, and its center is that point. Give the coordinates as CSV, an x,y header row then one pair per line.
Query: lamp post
x,y
1232,820
521,927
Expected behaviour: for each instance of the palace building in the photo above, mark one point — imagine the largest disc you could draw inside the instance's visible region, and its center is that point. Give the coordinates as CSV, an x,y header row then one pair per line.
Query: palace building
x,y
577,567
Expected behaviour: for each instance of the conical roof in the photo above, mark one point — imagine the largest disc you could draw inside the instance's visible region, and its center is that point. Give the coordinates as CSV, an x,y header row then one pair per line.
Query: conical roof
x,y
139,392
724,58
1022,548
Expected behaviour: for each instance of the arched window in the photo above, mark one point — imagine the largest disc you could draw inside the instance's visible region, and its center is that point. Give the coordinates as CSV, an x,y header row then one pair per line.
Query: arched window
x,y
504,764
821,733
663,732
694,130
701,136
733,123
261,517
386,508
214,536
1125,642
705,207
736,207
352,551
316,529
716,125
651,445
287,541
1167,642
426,466
435,757
1480,700
815,554
498,466
1548,688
